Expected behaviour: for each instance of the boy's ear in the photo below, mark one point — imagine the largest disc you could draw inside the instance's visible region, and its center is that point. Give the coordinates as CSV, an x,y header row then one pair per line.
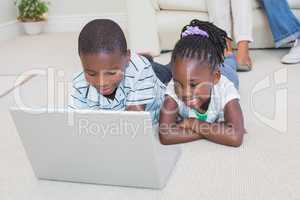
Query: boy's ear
x,y
128,55
217,76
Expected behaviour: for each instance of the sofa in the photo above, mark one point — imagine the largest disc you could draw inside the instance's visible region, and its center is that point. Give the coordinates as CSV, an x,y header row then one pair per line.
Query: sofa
x,y
155,25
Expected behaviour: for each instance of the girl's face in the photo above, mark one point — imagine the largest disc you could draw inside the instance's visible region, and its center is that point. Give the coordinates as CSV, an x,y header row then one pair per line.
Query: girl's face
x,y
193,81
104,71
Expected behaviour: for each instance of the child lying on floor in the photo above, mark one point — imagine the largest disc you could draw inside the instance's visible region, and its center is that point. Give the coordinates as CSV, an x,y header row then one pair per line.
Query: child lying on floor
x,y
113,78
202,101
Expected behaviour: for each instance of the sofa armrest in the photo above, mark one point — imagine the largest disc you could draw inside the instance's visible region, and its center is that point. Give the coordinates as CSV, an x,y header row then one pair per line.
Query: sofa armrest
x,y
142,26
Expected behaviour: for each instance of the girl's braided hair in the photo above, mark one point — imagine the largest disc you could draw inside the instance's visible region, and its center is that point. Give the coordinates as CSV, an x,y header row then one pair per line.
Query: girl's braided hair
x,y
206,44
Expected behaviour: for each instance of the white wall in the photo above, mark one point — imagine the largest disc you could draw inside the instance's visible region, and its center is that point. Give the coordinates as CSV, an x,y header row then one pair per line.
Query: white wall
x,y
71,15
68,7
64,15
86,7
7,11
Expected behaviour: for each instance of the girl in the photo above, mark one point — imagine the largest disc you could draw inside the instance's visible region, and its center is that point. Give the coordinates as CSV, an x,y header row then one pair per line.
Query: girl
x,y
202,101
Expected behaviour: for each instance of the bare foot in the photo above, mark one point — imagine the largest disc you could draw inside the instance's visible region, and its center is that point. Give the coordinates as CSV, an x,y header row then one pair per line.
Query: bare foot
x,y
242,55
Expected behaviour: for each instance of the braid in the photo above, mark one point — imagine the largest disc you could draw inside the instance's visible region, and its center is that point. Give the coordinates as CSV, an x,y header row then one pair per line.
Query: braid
x,y
205,49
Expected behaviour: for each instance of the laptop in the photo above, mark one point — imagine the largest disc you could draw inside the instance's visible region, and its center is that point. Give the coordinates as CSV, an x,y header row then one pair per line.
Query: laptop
x,y
99,147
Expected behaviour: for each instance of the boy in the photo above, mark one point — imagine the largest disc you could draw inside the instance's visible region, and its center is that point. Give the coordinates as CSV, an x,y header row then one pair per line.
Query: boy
x,y
113,78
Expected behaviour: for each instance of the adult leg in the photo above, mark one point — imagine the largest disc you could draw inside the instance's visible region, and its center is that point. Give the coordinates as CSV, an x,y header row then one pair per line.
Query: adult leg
x,y
220,14
285,27
242,28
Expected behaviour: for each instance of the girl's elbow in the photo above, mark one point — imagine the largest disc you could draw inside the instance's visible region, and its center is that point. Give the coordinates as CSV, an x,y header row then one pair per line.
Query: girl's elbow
x,y
164,139
237,139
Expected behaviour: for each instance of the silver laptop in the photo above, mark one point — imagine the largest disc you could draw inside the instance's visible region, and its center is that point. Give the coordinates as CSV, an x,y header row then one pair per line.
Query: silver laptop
x,y
100,147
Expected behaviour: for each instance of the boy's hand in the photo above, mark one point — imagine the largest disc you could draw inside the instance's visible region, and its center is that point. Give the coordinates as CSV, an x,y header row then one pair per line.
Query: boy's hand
x,y
135,108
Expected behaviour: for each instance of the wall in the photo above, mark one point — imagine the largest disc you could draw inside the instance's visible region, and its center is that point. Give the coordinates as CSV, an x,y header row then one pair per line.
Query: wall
x,y
7,11
82,7
64,15
71,15
68,7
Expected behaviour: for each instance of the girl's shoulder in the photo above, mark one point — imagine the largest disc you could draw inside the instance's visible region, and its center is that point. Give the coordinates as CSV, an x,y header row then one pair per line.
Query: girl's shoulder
x,y
225,91
170,90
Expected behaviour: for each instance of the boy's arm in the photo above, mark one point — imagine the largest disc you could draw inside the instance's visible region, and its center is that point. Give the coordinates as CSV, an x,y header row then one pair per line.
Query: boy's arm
x,y
228,133
142,90
76,99
169,131
135,108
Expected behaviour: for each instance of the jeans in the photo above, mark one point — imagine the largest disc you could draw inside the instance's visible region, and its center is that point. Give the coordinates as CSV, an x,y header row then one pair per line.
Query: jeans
x,y
163,72
228,69
284,25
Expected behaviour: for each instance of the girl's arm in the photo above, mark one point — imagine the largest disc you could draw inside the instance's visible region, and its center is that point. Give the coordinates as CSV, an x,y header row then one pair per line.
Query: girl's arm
x,y
169,131
229,133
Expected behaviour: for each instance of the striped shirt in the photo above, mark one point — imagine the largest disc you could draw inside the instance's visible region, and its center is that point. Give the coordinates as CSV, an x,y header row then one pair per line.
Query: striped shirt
x,y
140,86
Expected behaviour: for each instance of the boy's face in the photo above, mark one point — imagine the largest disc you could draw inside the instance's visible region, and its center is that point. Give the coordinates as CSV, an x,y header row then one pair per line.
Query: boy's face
x,y
193,81
103,70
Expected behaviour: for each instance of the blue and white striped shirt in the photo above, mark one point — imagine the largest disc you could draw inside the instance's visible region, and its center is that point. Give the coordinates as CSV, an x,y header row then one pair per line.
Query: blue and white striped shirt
x,y
140,86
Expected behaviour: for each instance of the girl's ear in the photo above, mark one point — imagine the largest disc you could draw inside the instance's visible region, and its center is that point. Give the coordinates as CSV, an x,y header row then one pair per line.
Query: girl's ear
x,y
217,76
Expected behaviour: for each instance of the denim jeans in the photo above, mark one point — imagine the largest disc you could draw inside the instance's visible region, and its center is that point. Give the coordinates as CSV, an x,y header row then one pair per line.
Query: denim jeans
x,y
228,69
163,72
284,25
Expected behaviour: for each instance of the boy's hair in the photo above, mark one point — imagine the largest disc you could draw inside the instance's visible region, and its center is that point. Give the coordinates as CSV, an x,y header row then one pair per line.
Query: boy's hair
x,y
207,46
101,35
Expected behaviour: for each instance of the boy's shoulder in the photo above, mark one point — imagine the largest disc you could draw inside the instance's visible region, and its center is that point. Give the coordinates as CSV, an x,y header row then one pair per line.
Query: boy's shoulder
x,y
79,81
137,64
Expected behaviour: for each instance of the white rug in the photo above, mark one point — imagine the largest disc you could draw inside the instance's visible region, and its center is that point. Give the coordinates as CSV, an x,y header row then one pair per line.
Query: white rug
x,y
266,166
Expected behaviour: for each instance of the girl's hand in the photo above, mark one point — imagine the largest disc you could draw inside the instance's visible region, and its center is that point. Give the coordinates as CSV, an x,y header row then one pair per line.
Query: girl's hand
x,y
195,125
187,123
168,134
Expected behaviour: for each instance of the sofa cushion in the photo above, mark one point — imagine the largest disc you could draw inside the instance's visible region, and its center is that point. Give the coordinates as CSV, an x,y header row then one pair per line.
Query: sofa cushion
x,y
170,23
200,5
183,5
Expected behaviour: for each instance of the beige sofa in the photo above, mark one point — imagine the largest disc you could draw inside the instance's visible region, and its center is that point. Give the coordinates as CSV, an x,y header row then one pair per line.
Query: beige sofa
x,y
154,25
